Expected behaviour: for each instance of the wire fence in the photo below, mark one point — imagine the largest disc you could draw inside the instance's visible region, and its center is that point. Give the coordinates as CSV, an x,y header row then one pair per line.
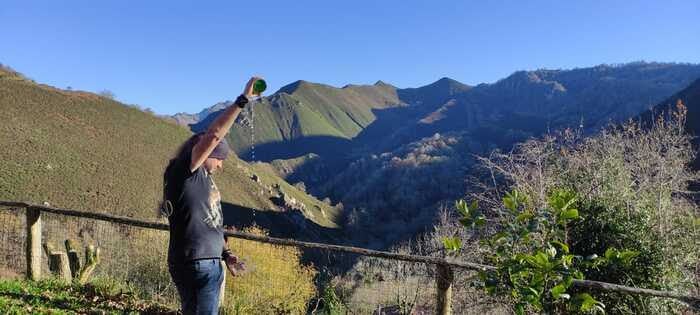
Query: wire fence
x,y
135,257
280,279
284,276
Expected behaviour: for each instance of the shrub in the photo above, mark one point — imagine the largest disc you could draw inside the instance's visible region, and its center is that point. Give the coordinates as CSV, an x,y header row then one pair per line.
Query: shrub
x,y
535,267
277,282
604,227
632,181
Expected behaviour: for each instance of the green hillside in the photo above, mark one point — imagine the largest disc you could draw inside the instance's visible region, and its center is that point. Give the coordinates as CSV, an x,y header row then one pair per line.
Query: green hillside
x,y
79,150
305,117
348,109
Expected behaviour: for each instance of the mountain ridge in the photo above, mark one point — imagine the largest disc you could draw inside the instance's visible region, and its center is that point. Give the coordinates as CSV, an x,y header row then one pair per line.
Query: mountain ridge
x,y
80,150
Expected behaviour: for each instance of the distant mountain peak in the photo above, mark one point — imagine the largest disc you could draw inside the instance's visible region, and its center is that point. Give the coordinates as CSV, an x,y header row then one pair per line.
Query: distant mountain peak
x,y
449,85
443,86
292,87
531,78
448,80
302,84
186,119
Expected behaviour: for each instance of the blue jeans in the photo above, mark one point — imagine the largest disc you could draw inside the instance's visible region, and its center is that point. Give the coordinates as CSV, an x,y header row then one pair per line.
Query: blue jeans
x,y
198,282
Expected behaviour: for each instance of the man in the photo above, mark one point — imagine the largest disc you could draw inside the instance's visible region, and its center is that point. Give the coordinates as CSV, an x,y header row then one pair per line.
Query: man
x,y
193,205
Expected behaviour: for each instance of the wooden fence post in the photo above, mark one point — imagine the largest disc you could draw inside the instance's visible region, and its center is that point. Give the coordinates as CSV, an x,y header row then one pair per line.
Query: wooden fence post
x,y
33,250
445,277
58,263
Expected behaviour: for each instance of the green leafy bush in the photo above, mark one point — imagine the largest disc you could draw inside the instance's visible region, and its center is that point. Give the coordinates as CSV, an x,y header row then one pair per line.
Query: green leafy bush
x,y
534,264
631,182
605,227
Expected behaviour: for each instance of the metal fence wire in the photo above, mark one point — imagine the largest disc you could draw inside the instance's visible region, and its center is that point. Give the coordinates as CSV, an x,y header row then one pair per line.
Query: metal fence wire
x,y
278,279
283,276
132,256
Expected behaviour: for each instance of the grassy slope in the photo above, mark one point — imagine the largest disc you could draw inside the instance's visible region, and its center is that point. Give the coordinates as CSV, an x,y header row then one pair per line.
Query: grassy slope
x,y
279,119
284,167
304,109
80,150
348,109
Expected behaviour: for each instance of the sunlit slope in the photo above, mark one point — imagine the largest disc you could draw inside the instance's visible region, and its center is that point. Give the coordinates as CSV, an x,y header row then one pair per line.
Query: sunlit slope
x,y
305,117
80,150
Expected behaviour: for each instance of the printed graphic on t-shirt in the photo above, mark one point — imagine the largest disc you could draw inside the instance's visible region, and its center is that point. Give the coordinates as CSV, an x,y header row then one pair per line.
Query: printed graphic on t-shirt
x,y
214,214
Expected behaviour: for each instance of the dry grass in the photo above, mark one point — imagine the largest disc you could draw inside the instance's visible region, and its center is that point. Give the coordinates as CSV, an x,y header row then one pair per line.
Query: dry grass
x,y
277,282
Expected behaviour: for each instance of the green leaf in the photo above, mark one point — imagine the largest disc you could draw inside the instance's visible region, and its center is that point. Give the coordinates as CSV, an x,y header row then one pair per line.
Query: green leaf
x,y
466,222
499,237
563,247
539,260
513,200
452,244
611,253
462,207
537,280
626,256
470,213
569,203
519,309
587,303
524,216
568,281
510,204
561,199
534,291
568,215
567,260
474,206
558,290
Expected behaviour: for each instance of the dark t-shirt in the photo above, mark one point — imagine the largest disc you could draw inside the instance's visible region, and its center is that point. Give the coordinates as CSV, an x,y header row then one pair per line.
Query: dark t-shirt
x,y
196,222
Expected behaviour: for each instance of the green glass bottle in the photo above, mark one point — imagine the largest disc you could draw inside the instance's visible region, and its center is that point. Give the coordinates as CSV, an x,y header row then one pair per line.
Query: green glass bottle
x,y
259,86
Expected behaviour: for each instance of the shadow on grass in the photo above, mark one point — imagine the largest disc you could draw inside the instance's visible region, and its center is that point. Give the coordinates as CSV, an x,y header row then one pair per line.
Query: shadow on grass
x,y
288,224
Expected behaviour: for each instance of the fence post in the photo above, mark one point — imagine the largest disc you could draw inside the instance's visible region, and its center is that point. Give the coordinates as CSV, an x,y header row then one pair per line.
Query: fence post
x,y
444,279
58,262
33,250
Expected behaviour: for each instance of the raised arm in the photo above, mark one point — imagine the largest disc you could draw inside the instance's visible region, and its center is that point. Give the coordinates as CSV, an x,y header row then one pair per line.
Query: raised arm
x,y
218,129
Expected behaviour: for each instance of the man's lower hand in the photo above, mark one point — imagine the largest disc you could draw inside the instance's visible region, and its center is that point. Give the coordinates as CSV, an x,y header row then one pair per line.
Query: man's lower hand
x,y
234,265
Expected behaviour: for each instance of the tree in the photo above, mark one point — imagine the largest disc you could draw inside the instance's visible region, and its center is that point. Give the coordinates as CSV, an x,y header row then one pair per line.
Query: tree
x,y
107,93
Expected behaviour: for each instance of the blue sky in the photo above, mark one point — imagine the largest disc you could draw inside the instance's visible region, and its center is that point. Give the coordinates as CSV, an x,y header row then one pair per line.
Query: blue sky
x,y
175,56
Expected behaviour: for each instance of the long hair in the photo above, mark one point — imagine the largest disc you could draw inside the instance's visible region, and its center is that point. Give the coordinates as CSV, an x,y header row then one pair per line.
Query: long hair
x,y
173,191
185,148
